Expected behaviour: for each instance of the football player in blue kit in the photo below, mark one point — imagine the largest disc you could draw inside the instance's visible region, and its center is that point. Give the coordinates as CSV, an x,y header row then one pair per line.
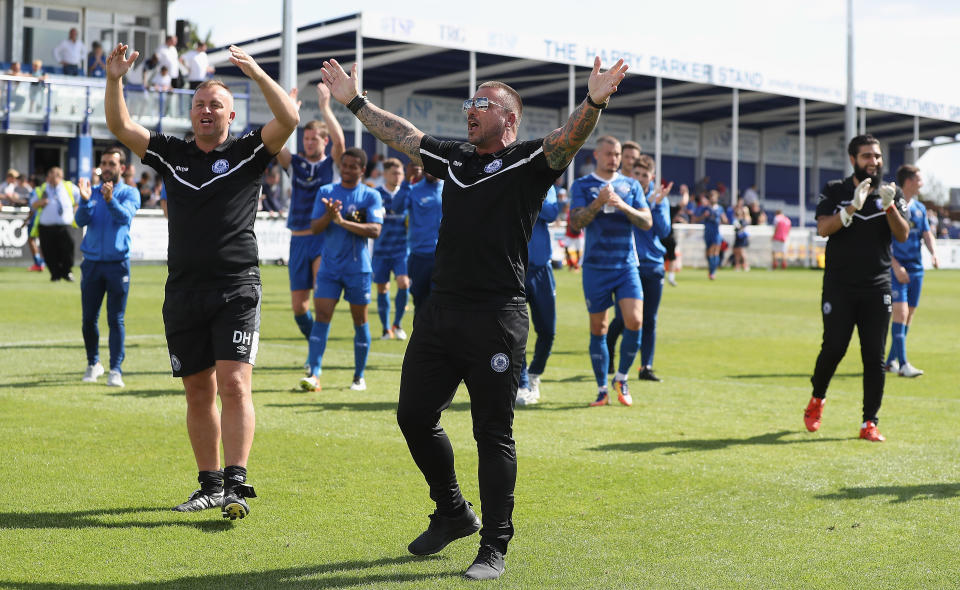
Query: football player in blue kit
x,y
349,213
906,272
308,172
711,215
608,205
390,249
542,297
425,207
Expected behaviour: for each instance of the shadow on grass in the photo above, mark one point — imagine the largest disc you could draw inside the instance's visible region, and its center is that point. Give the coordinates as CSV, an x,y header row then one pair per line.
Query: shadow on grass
x,y
787,375
100,519
346,574
710,444
937,491
358,407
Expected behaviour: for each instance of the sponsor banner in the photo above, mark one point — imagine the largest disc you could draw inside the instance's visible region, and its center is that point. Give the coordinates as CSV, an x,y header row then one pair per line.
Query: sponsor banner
x,y
679,138
718,137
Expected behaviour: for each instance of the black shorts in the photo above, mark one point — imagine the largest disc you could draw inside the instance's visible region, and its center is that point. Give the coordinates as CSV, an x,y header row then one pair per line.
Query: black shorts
x,y
670,243
209,325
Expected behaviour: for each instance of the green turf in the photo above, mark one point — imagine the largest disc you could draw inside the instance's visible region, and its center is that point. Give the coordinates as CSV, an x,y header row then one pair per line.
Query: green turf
x,y
708,481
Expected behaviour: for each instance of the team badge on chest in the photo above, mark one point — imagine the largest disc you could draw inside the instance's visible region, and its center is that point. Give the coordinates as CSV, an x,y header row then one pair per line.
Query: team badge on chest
x,y
493,166
220,166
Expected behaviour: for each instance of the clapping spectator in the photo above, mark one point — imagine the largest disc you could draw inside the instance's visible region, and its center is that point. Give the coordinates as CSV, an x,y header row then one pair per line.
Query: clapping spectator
x,y
97,61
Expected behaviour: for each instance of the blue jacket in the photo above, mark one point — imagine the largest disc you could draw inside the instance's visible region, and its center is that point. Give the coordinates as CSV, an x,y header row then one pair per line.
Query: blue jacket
x,y
107,238
650,250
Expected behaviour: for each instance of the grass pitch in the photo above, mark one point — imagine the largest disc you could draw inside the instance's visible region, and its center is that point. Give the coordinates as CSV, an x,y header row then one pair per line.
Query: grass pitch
x,y
708,481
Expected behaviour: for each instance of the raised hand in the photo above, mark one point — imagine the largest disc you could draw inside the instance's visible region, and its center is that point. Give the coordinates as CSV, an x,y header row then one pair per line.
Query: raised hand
x,y
107,190
342,86
117,63
293,96
887,193
247,65
860,194
84,186
661,192
323,95
601,86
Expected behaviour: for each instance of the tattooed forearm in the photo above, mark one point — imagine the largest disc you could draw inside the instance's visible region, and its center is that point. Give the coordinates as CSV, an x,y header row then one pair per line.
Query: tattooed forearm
x,y
560,146
392,130
582,217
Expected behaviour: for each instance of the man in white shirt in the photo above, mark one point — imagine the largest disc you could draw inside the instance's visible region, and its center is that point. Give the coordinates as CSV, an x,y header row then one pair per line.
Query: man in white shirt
x,y
55,203
198,64
167,56
70,54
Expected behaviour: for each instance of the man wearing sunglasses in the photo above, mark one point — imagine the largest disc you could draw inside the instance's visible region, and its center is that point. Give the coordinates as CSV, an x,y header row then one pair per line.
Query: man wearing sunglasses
x,y
474,327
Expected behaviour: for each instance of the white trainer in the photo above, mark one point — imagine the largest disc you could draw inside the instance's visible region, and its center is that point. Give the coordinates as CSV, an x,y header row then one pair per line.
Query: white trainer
x,y
525,397
893,366
92,372
115,379
399,334
908,370
358,384
310,383
534,385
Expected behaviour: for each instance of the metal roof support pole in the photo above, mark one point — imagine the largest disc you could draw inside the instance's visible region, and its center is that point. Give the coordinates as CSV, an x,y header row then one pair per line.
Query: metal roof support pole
x,y
803,163
357,125
863,121
571,91
762,171
735,148
658,129
473,75
850,118
916,138
288,60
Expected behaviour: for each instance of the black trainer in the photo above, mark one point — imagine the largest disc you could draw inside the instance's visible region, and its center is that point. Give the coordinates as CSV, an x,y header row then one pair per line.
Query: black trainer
x,y
487,566
647,374
234,505
443,530
201,500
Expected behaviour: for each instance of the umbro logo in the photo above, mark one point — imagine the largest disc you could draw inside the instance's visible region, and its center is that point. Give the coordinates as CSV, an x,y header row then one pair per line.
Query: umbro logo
x,y
456,163
181,168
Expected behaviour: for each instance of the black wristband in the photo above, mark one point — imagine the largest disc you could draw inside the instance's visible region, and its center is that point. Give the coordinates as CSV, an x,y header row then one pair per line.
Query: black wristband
x,y
357,103
595,105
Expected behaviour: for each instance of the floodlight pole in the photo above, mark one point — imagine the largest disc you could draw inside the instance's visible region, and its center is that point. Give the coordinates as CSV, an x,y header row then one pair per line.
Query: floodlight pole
x,y
288,60
357,126
473,75
851,110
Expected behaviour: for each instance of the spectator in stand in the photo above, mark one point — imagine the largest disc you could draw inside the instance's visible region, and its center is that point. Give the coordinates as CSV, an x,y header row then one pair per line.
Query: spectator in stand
x,y
70,54
778,245
162,81
167,55
198,65
750,196
757,215
9,190
270,192
97,61
38,89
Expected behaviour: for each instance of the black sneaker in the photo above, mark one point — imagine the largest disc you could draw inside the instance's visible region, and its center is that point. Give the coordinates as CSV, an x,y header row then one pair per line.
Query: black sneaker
x,y
200,500
647,374
443,530
234,505
487,566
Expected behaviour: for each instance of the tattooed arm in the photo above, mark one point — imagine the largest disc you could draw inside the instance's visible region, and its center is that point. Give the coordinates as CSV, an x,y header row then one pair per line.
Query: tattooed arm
x,y
392,130
560,146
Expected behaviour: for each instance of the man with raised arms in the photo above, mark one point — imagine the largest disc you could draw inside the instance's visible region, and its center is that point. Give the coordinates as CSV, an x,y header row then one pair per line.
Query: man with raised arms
x,y
211,309
308,172
474,326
